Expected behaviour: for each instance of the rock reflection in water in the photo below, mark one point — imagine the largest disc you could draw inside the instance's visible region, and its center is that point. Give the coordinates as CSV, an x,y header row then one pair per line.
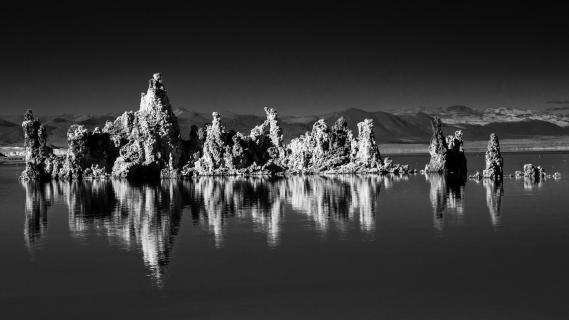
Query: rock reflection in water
x,y
447,198
337,200
494,192
38,198
328,201
147,217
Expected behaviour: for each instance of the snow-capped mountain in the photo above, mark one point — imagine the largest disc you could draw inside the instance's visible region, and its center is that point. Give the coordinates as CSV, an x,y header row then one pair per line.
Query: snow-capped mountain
x,y
456,115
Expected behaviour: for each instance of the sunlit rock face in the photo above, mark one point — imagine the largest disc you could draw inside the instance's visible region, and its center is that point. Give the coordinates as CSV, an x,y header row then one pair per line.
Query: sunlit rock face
x,y
447,154
91,154
39,158
266,140
232,153
367,153
320,149
437,149
336,150
147,144
494,161
137,144
149,139
214,147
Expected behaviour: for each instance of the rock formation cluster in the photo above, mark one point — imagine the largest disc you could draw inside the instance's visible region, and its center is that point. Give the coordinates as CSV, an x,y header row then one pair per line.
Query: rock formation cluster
x,y
447,153
147,144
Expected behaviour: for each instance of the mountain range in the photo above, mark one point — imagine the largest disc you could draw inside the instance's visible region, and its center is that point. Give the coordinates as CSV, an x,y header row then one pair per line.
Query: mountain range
x,y
396,126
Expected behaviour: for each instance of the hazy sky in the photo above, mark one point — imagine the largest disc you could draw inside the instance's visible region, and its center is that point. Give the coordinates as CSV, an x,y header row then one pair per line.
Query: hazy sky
x,y
302,58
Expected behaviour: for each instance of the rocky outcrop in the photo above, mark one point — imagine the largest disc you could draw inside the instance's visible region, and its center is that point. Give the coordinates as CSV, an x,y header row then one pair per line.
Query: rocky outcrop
x,y
232,153
147,144
494,161
328,149
367,153
447,154
38,156
149,139
437,149
90,154
214,148
321,149
335,150
531,172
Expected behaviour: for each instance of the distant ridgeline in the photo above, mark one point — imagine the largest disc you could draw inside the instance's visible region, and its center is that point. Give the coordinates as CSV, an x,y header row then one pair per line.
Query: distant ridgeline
x,y
148,144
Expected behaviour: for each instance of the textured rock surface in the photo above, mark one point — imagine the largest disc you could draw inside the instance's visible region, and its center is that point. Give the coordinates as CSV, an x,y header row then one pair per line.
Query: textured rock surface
x,y
534,173
232,153
39,157
149,139
437,149
367,153
494,161
447,154
214,147
147,144
335,150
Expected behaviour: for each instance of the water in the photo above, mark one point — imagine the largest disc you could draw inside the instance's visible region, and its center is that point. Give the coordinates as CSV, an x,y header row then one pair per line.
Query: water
x,y
300,247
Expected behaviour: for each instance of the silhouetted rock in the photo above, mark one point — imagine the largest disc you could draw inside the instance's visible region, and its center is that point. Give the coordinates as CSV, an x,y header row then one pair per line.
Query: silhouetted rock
x,y
494,161
447,154
456,160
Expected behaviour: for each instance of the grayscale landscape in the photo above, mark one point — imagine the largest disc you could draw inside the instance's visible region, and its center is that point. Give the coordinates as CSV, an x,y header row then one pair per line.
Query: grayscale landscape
x,y
283,160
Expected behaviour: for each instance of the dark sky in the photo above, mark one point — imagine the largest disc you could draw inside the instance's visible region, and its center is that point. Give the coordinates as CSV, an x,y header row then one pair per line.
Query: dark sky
x,y
303,58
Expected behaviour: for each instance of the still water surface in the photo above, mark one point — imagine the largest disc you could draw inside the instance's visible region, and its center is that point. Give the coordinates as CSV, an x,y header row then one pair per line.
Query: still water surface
x,y
366,247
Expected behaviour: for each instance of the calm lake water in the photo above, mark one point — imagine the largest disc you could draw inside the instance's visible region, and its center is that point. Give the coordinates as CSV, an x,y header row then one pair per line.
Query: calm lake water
x,y
358,247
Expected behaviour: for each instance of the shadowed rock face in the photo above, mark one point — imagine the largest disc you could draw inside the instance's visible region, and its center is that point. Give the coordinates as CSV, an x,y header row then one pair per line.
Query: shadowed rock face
x,y
494,161
447,154
147,144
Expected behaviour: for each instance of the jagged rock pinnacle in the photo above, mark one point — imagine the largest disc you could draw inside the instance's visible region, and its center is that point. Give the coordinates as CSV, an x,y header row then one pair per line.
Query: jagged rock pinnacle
x,y
147,144
494,161
447,154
